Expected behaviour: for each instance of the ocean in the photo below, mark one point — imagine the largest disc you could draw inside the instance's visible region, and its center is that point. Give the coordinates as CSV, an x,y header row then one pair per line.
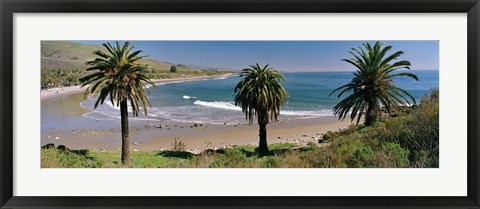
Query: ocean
x,y
211,100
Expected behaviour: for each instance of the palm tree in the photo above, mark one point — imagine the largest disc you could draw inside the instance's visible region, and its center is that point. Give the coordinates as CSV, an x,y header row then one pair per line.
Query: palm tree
x,y
120,77
261,95
372,84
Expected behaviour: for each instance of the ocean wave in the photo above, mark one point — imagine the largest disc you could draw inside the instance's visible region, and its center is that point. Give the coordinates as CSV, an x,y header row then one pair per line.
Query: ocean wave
x,y
221,105
89,104
197,114
314,113
97,115
113,105
216,112
231,106
188,97
117,107
110,111
212,122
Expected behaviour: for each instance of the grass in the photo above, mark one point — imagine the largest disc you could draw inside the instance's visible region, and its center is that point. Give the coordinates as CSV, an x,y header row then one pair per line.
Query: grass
x,y
57,158
348,153
145,159
239,156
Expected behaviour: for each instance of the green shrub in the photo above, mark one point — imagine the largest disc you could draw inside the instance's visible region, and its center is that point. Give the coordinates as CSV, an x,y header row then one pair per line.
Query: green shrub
x,y
173,69
328,136
392,155
312,145
273,162
56,158
232,158
419,132
421,159
363,157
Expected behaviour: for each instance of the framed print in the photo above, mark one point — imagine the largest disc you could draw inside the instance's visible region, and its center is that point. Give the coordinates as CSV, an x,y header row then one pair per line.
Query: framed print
x,y
265,104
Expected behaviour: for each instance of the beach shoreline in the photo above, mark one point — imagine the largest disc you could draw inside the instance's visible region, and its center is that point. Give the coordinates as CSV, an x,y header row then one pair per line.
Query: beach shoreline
x,y
102,135
156,136
46,94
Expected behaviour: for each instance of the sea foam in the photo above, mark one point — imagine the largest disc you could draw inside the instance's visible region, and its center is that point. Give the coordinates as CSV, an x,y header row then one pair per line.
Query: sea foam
x,y
188,97
221,105
231,106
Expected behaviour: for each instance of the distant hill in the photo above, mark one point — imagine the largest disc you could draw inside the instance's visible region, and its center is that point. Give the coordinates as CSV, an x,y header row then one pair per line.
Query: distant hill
x,y
70,55
63,63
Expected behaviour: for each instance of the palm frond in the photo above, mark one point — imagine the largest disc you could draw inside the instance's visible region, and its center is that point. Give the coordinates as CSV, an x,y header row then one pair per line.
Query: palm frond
x,y
260,93
372,84
118,76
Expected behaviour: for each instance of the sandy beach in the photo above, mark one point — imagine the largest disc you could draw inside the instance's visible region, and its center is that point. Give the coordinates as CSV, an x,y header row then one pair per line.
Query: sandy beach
x,y
155,136
59,92
63,123
219,136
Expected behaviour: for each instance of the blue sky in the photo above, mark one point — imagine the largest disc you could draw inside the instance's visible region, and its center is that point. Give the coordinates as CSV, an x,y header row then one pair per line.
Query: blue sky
x,y
283,55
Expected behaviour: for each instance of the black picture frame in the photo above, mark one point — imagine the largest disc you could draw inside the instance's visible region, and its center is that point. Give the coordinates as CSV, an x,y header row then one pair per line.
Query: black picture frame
x,y
10,7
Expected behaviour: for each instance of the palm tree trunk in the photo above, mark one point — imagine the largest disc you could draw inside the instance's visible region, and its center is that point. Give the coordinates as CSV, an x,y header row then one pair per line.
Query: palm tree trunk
x,y
368,118
371,114
125,133
262,145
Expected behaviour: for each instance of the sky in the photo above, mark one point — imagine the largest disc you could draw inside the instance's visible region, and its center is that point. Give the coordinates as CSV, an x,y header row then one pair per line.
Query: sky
x,y
287,56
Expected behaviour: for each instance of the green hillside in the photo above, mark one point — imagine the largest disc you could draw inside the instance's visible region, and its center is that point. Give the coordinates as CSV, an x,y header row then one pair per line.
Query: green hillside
x,y
63,63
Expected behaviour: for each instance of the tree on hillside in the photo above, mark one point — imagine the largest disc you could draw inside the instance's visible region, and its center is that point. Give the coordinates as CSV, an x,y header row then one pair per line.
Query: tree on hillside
x,y
173,69
260,94
120,78
372,84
